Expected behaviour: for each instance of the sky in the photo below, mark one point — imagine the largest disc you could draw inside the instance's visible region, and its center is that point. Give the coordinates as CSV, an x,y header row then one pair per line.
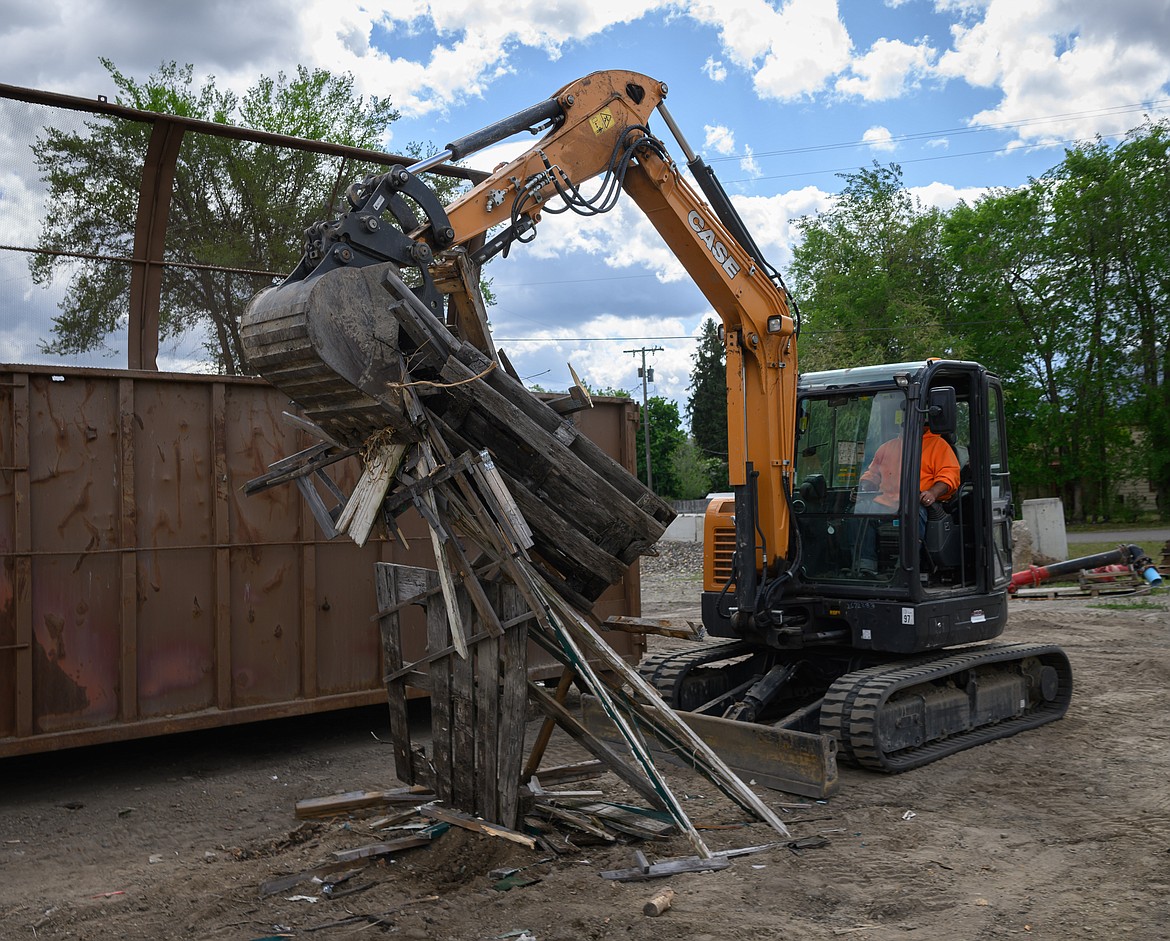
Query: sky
x,y
779,96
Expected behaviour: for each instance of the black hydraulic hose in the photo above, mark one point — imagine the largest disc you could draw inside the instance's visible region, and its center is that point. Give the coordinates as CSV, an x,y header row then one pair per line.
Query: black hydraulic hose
x,y
794,540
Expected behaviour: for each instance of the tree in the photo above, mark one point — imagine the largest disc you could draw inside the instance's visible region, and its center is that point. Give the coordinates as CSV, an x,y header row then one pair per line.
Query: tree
x,y
235,205
666,437
1061,285
707,405
693,471
871,276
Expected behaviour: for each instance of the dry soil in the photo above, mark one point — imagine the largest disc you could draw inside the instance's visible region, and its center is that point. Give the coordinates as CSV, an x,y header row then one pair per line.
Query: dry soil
x,y
1059,833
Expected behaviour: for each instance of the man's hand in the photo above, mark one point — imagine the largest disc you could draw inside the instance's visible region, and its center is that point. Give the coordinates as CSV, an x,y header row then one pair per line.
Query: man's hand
x,y
932,496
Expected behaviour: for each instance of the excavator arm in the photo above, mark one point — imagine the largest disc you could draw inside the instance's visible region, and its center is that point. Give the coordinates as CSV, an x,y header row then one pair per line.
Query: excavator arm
x,y
598,138
600,129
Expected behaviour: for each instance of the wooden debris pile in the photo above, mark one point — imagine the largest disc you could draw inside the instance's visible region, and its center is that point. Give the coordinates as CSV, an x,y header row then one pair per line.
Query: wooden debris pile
x,y
529,522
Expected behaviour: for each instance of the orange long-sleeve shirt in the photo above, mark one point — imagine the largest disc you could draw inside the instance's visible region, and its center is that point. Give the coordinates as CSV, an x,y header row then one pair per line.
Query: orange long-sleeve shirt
x,y
938,464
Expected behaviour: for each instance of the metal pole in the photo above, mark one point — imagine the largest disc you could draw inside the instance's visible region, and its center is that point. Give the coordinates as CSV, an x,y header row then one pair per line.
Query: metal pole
x,y
646,409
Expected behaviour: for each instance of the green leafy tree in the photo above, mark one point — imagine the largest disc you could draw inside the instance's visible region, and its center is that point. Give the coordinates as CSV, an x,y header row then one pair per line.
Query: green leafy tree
x,y
666,437
871,276
707,405
692,470
1142,171
235,205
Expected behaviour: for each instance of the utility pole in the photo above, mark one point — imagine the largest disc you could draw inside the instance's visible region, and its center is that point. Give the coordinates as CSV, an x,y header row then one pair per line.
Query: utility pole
x,y
647,375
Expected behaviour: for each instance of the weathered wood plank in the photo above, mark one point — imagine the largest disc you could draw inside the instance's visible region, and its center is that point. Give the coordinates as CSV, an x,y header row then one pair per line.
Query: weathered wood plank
x,y
586,451
390,583
614,762
333,804
525,450
463,768
513,706
440,699
546,728
468,822
487,727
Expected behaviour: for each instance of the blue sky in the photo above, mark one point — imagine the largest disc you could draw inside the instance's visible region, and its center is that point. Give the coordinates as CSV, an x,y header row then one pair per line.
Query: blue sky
x,y
779,96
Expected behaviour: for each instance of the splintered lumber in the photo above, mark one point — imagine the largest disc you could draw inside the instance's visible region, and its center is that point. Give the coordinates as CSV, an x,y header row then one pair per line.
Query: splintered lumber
x,y
574,819
476,825
349,801
381,849
669,867
571,773
327,341
657,714
683,630
631,820
484,462
360,512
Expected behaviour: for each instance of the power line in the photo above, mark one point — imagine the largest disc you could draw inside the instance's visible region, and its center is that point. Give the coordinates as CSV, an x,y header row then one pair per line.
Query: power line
x,y
892,328
927,135
970,153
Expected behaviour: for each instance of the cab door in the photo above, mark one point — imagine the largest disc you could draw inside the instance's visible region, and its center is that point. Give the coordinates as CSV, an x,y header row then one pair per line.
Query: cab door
x,y
1002,509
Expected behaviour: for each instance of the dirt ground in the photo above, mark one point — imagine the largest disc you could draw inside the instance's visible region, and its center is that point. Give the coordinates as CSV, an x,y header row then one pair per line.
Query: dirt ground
x,y
1059,833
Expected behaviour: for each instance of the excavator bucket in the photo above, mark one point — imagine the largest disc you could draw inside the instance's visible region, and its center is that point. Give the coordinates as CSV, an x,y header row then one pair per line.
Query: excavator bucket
x,y
344,344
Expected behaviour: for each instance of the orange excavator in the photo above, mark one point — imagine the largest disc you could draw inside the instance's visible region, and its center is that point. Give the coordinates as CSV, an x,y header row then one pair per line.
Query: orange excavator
x,y
841,617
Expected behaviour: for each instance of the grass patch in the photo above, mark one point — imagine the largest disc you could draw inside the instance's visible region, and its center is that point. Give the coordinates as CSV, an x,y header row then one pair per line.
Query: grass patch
x,y
1143,605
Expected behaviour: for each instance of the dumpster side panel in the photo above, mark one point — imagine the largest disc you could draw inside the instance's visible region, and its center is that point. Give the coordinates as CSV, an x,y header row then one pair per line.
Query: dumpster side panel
x,y
142,592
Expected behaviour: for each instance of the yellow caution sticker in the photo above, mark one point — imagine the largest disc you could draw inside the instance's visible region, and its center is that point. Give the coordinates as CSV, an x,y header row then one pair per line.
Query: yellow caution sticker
x,y
602,121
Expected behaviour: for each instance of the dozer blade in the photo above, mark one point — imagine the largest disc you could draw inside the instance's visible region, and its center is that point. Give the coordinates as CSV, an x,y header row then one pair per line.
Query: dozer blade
x,y
781,759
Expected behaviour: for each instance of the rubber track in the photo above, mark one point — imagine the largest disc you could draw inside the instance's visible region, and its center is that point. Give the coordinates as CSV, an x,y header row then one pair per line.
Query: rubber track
x,y
667,671
853,704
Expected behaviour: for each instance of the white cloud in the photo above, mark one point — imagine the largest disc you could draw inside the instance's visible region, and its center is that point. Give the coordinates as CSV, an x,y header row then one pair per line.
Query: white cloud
x,y
888,70
945,196
793,51
714,69
471,49
1068,59
749,165
719,138
879,138
623,238
772,219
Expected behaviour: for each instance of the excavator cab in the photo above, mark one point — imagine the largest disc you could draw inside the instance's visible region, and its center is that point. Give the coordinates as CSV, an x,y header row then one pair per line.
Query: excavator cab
x,y
870,567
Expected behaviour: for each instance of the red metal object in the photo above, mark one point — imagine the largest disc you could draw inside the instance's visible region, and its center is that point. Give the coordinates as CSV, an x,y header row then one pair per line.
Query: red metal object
x,y
1130,560
142,592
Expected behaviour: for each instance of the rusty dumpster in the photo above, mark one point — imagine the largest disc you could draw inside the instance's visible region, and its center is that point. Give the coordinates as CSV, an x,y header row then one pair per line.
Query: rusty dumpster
x,y
141,592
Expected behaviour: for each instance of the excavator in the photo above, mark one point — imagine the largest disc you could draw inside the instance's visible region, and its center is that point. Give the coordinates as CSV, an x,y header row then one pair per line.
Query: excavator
x,y
836,616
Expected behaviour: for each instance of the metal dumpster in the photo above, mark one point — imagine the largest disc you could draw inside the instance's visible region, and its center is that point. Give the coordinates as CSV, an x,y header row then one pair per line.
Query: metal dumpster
x,y
142,593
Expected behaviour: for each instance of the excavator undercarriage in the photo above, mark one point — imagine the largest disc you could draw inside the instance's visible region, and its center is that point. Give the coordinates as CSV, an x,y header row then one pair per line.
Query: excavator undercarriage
x,y
885,715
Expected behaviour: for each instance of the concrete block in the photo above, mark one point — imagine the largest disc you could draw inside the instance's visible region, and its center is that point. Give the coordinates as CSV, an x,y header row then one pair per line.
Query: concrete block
x,y
686,527
1045,518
